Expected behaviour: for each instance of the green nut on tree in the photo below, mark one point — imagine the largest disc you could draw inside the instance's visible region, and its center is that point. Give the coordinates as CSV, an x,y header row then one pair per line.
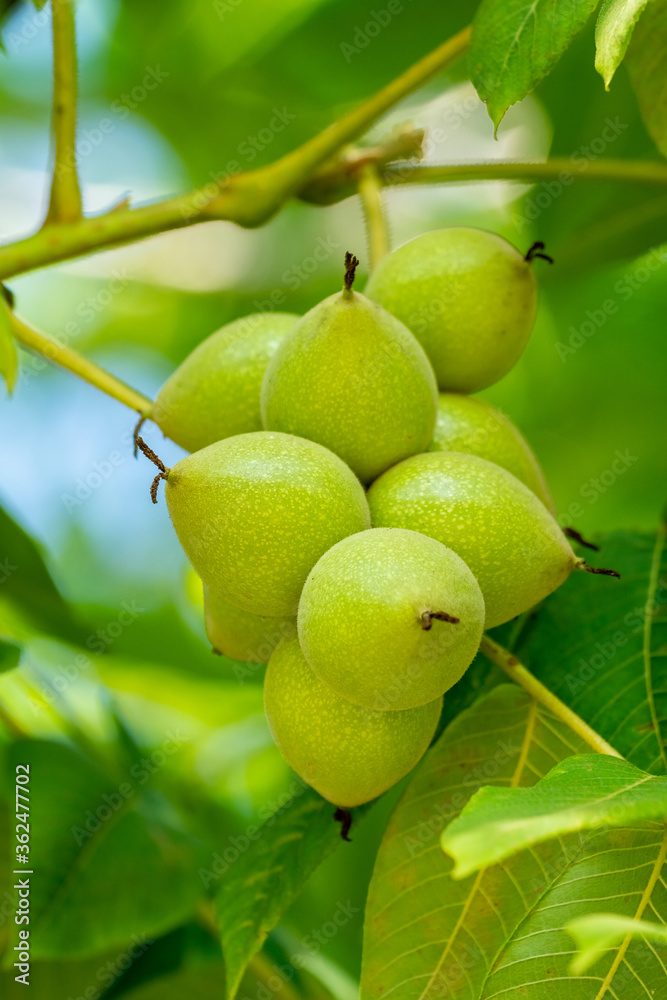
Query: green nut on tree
x,y
241,635
353,378
214,393
255,512
465,423
510,541
348,754
390,618
468,296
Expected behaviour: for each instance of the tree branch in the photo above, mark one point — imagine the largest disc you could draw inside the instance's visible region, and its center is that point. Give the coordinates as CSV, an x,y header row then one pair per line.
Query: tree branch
x,y
78,365
65,202
521,675
370,193
249,199
641,171
335,181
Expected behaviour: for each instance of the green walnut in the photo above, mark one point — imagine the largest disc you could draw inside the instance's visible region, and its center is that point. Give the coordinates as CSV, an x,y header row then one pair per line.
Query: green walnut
x,y
390,618
507,537
240,634
465,423
214,393
348,754
255,512
353,378
468,296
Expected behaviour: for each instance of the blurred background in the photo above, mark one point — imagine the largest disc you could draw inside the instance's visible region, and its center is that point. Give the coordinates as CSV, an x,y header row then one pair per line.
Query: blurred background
x,y
192,88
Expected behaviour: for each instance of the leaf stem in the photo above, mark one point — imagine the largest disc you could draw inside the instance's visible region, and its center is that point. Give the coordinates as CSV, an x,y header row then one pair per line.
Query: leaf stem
x,y
641,171
521,675
370,193
74,362
65,202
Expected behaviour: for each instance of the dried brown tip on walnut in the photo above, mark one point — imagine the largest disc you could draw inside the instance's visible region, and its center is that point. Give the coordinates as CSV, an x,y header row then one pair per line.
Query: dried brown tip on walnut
x,y
162,474
428,617
573,534
534,252
135,436
351,265
597,569
344,817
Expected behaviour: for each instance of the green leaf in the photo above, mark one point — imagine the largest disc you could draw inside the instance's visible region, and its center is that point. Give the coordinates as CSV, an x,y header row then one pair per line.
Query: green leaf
x,y
613,31
516,43
109,856
9,359
204,981
274,863
10,654
603,650
419,921
207,979
501,932
597,932
6,7
645,60
26,583
581,793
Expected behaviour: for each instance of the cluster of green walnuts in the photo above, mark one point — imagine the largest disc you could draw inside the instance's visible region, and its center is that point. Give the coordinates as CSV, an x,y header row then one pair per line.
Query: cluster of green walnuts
x,y
307,432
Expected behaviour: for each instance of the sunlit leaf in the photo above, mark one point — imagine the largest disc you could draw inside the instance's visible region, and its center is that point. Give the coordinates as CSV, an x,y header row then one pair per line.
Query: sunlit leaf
x,y
645,60
598,932
515,43
581,793
613,31
500,932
